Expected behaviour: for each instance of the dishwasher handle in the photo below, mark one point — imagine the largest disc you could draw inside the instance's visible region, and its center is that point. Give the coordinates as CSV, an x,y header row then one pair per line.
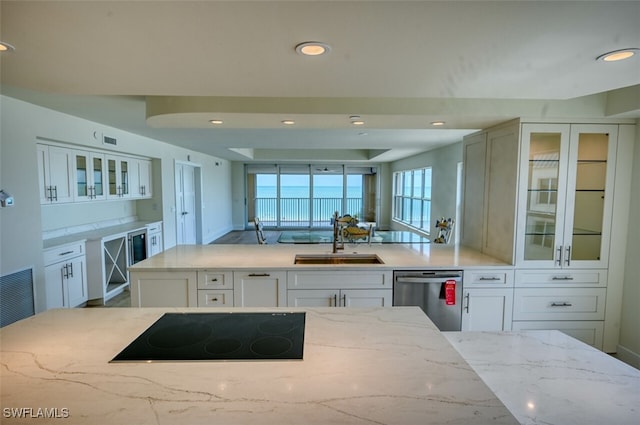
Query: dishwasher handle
x,y
427,277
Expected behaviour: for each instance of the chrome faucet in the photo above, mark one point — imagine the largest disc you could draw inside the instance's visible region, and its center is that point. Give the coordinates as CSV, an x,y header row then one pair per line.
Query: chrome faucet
x,y
336,229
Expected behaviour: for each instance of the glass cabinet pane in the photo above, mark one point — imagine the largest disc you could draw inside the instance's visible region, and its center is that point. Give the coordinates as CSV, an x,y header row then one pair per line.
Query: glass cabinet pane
x,y
97,176
111,170
542,196
81,175
591,173
124,177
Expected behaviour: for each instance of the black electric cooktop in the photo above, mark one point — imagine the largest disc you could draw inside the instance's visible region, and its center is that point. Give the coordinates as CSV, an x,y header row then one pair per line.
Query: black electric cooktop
x,y
219,336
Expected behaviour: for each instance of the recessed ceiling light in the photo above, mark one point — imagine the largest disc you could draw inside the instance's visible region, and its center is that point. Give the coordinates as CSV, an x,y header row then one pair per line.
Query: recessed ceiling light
x,y
357,122
4,47
288,122
217,122
618,55
313,48
437,123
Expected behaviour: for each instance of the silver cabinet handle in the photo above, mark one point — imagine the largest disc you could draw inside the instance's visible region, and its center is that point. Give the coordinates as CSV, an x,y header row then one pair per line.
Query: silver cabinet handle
x,y
467,299
562,278
568,255
344,300
559,260
335,300
259,275
215,279
65,272
71,269
66,253
561,304
489,278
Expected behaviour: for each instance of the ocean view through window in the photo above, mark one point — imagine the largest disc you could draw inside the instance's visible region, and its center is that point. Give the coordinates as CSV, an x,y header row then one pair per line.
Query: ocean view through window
x,y
412,198
307,196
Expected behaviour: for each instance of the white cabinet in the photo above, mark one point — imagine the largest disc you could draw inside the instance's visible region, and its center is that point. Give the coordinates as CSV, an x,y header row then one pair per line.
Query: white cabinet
x,y
489,199
65,275
339,298
559,304
55,174
487,300
164,289
90,176
140,178
260,288
346,288
155,243
107,267
566,195
215,288
589,332
118,176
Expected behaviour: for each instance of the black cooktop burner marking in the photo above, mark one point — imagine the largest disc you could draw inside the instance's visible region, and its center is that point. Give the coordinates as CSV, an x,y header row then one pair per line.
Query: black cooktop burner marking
x,y
222,346
177,336
271,346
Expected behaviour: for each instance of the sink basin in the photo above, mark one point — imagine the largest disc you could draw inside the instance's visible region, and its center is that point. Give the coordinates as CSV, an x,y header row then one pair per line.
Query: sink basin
x,y
337,259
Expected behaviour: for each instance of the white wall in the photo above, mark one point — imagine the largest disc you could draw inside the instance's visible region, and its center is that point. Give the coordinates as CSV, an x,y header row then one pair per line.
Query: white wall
x,y
629,346
21,226
443,163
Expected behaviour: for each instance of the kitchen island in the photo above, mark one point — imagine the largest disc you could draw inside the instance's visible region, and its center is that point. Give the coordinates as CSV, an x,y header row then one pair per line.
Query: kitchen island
x,y
360,366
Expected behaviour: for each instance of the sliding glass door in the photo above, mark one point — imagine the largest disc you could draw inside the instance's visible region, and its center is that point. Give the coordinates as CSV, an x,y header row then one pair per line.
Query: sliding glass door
x,y
306,196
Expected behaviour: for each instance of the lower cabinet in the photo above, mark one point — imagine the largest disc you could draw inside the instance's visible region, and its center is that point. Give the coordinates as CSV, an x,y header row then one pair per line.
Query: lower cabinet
x,y
347,288
339,297
164,289
260,288
215,288
486,309
589,332
65,276
487,300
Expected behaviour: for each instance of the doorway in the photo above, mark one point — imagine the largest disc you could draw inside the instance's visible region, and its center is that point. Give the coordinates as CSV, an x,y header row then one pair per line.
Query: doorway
x,y
188,203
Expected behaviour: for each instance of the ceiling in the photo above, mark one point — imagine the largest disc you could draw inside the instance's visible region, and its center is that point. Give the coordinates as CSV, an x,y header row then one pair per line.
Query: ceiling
x,y
163,69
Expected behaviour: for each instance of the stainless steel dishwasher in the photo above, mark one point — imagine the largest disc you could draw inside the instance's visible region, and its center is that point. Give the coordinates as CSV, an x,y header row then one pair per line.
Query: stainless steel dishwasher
x,y
438,293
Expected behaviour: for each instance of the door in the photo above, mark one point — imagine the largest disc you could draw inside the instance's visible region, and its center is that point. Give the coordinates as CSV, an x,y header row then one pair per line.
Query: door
x,y
486,309
186,204
76,282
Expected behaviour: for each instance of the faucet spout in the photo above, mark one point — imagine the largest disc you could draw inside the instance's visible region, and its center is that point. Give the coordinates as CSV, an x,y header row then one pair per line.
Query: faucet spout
x,y
336,231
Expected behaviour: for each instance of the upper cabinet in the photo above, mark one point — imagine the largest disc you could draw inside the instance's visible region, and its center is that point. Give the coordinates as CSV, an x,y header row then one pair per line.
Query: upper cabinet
x,y
55,174
566,195
90,176
67,174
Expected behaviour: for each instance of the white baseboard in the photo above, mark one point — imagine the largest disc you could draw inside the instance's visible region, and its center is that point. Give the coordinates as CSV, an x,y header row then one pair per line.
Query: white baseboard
x,y
628,356
215,235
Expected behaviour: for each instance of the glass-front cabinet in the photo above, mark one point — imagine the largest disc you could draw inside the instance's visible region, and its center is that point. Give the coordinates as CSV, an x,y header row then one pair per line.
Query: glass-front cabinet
x,y
118,169
566,195
90,171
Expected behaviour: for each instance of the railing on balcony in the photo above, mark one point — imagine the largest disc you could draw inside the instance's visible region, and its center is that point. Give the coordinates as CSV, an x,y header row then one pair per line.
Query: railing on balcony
x,y
303,212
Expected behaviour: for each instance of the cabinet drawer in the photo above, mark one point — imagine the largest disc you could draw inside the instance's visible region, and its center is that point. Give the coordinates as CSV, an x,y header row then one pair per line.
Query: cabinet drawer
x,y
213,298
568,278
215,279
559,304
154,227
589,332
63,252
339,279
488,278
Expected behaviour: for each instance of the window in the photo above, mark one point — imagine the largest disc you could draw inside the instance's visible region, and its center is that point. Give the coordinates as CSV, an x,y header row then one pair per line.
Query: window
x,y
412,197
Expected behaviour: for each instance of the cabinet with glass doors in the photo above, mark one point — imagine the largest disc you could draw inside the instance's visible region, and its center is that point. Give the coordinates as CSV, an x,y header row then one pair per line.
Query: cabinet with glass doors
x,y
566,195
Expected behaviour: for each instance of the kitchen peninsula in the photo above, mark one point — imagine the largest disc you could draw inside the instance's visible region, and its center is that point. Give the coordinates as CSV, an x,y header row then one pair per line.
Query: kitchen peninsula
x,y
382,366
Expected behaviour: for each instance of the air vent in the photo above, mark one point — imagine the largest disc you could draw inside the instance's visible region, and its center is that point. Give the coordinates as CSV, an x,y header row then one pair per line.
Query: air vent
x,y
109,141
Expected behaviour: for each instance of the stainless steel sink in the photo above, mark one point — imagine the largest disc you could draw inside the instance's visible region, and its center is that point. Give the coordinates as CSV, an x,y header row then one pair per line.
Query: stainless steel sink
x,y
337,259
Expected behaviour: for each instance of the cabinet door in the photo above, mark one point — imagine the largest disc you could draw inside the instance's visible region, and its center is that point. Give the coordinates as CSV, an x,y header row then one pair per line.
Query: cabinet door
x,y
90,172
144,179
54,288
487,309
118,176
55,173
155,243
313,298
259,289
164,289
366,297
76,282
543,176
589,196
474,154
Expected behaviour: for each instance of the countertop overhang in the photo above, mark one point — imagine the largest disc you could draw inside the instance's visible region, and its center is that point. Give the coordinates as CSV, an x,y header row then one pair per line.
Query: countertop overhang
x,y
377,365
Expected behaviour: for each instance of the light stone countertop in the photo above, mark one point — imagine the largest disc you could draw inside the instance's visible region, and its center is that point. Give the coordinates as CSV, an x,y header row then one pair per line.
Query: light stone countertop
x,y
360,366
549,378
394,256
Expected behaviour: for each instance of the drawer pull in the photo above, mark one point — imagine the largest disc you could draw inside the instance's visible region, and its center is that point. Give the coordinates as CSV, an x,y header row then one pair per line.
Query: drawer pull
x,y
562,278
214,299
489,278
66,253
561,304
215,279
259,275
